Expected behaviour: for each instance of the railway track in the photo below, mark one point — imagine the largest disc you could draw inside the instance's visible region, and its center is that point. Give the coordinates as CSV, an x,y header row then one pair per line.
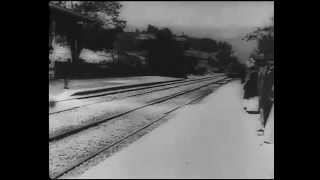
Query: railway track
x,y
69,132
119,141
137,91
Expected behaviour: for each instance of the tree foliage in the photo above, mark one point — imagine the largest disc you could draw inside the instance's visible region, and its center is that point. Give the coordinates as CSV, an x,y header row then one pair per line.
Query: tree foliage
x,y
265,38
92,35
127,41
225,54
203,44
152,29
106,12
164,53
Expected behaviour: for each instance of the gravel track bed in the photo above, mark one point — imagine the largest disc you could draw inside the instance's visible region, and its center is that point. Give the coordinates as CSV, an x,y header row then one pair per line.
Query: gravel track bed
x,y
74,119
109,152
75,103
74,149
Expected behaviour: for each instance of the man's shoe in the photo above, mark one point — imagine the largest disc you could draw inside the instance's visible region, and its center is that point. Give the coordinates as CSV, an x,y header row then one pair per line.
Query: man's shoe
x,y
253,112
260,132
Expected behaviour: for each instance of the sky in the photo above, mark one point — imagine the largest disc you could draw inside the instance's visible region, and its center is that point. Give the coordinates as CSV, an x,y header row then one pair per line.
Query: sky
x,y
202,13
224,20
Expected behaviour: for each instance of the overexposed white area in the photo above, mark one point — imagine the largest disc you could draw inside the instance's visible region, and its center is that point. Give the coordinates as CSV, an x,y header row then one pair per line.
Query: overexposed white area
x,y
214,139
96,56
60,53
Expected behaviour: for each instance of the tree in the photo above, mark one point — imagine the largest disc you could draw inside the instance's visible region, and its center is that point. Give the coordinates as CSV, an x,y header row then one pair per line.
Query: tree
x,y
164,34
265,38
225,54
208,45
152,29
106,12
236,69
127,41
204,44
91,35
164,53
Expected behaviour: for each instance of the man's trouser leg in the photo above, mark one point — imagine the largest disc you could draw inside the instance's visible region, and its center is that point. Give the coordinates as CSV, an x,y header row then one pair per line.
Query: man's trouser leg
x,y
66,83
269,130
267,110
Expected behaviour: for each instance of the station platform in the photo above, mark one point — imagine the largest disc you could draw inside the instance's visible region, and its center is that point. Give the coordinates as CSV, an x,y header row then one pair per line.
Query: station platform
x,y
87,86
213,139
57,91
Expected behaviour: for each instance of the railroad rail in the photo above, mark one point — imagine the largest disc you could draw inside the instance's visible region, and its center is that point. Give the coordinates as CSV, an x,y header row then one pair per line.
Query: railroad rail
x,y
119,90
58,136
136,131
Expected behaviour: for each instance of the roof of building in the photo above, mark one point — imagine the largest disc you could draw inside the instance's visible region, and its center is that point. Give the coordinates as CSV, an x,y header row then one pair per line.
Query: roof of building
x,y
200,54
139,55
146,36
71,13
180,38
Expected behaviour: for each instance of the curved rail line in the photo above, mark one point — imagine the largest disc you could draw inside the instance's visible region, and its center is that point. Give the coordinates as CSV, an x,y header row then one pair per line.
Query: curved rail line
x,y
117,142
70,132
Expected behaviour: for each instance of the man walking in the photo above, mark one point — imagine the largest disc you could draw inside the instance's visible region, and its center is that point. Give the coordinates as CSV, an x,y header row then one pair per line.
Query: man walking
x,y
67,74
251,88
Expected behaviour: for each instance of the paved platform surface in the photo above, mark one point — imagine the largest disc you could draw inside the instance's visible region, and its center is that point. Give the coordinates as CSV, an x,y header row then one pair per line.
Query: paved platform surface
x,y
213,139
